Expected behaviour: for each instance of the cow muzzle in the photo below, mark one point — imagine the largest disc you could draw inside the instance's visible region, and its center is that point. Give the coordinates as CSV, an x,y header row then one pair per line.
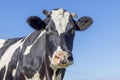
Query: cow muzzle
x,y
61,59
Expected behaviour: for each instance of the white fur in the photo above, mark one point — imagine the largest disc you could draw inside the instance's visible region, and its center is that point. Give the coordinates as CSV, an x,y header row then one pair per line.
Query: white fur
x,y
58,76
21,44
54,77
14,70
35,77
61,19
28,50
2,41
6,58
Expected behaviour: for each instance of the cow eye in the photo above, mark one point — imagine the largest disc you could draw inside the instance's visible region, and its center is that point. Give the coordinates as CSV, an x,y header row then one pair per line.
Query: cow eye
x,y
48,30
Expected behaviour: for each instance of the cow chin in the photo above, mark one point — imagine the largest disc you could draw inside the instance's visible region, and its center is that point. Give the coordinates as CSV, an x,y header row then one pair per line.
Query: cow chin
x,y
61,59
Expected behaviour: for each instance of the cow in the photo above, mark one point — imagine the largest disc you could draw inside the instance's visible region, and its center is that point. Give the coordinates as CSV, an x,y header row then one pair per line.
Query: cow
x,y
47,52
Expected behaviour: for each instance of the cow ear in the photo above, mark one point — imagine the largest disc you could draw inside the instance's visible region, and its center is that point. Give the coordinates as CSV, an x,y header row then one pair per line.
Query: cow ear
x,y
83,23
36,22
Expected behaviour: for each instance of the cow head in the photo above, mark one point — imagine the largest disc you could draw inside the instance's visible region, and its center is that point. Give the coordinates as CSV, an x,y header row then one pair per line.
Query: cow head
x,y
60,29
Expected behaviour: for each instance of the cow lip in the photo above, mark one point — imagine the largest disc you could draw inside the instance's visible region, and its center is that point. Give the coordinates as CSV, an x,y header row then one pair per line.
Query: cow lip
x,y
60,65
65,65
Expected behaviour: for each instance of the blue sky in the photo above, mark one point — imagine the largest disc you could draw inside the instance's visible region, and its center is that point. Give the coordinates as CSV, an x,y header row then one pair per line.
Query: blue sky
x,y
96,50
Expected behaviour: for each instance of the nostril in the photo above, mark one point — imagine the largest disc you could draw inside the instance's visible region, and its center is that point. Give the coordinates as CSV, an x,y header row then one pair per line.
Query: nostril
x,y
64,61
70,58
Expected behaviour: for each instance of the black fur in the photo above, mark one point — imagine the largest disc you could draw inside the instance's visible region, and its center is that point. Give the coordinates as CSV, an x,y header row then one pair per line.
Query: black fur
x,y
2,72
83,23
36,22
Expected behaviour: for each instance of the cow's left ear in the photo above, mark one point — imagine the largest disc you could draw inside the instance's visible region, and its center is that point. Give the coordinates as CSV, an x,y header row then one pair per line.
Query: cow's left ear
x,y
36,22
83,23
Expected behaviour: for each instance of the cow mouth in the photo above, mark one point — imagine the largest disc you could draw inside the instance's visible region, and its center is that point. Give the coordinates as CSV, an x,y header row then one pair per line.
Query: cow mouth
x,y
61,59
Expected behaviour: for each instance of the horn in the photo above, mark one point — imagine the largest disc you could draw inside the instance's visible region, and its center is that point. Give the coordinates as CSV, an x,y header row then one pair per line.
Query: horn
x,y
46,13
74,15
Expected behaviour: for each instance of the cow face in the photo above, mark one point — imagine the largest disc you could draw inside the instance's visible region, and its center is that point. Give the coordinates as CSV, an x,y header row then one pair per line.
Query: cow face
x,y
60,30
60,35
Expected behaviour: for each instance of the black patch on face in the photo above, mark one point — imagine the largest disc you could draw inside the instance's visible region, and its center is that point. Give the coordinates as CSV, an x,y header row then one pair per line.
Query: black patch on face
x,y
53,41
67,41
7,44
2,72
68,36
52,38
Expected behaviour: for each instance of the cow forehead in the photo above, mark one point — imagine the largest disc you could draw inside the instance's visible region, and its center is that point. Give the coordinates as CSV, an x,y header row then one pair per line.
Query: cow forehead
x,y
60,18
58,11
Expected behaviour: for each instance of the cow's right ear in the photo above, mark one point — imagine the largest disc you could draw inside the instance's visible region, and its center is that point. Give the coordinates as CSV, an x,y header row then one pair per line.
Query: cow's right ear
x,y
83,23
36,22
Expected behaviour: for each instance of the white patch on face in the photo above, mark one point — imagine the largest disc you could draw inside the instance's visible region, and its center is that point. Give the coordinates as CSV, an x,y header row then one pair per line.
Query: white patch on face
x,y
61,19
2,41
6,58
27,51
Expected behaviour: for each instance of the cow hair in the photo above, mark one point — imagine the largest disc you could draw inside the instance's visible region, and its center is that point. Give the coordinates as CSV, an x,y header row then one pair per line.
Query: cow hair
x,y
83,23
36,22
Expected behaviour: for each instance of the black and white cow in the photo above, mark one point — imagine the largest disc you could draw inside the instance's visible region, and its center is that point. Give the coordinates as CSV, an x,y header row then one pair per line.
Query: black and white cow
x,y
44,54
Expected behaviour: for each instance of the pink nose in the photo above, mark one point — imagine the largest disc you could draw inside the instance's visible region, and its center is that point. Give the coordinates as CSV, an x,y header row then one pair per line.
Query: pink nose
x,y
62,59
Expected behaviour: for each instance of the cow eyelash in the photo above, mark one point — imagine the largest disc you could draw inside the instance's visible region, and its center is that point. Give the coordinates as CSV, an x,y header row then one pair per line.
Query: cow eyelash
x,y
48,29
